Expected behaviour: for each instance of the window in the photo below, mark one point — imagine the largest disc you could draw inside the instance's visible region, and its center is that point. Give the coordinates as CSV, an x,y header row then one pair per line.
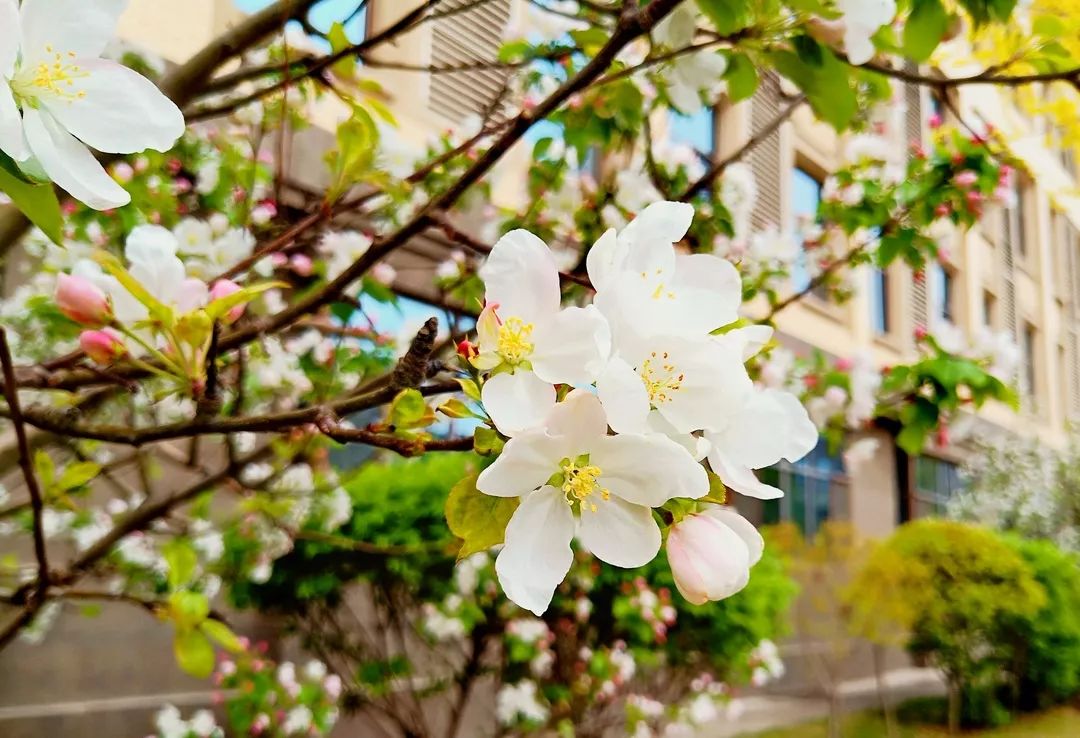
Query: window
x,y
809,485
805,198
1020,235
697,130
943,293
989,305
936,482
1029,376
880,315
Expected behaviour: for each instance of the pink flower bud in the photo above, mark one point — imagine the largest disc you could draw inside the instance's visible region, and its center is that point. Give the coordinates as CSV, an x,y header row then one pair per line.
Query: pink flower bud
x,y
844,364
934,121
384,274
104,346
711,553
301,264
223,288
921,333
82,300
966,178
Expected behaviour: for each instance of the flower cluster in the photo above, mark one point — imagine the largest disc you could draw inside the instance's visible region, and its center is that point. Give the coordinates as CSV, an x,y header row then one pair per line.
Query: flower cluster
x,y
651,361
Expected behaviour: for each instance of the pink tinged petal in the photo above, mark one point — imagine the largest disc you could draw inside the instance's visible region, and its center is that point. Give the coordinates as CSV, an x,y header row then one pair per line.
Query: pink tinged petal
x,y
571,347
647,470
193,294
526,463
81,300
118,111
81,27
222,289
755,544
521,276
104,346
739,477
605,259
537,553
708,559
12,140
70,164
578,420
624,397
618,532
517,402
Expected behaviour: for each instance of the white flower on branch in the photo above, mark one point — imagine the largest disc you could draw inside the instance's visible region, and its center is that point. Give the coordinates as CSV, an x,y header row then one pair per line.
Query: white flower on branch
x,y
57,97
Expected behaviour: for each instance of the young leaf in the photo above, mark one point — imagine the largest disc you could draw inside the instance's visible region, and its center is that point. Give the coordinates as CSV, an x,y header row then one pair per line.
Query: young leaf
x,y
925,28
479,520
181,560
220,632
78,474
36,201
194,652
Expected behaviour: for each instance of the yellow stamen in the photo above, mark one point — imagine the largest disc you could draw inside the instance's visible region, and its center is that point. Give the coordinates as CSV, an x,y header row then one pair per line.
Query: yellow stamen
x,y
579,483
56,78
514,344
660,378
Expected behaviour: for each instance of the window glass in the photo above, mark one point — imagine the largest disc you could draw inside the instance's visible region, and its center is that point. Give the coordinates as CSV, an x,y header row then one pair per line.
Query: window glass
x,y
936,483
879,302
809,485
943,293
805,198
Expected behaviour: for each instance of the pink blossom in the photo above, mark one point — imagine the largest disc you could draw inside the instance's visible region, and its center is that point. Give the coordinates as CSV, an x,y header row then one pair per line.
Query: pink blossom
x,y
301,264
104,346
966,178
82,300
222,289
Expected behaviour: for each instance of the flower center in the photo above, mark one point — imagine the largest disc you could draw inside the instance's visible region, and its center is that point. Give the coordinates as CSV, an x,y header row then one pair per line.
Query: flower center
x,y
56,78
660,377
580,482
514,344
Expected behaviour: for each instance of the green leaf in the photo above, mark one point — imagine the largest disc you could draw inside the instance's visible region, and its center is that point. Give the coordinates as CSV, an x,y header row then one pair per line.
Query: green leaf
x,y
717,490
345,67
188,609
486,441
455,408
728,16
925,28
220,632
194,652
827,83
470,389
44,468
78,474
479,520
181,559
410,410
36,201
741,76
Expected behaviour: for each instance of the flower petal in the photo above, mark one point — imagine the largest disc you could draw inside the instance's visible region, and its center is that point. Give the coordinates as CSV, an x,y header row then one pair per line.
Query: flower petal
x,y
740,478
526,463
149,244
9,37
618,532
70,164
80,27
711,287
579,420
517,402
119,111
647,470
654,230
572,346
713,385
12,140
747,342
625,399
537,553
755,544
520,276
605,259
769,426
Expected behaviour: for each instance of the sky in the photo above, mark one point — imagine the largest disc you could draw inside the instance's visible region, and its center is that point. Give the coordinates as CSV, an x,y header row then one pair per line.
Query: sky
x,y
323,15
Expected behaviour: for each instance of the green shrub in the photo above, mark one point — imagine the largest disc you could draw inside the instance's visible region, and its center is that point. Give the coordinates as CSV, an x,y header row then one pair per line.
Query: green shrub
x,y
1046,667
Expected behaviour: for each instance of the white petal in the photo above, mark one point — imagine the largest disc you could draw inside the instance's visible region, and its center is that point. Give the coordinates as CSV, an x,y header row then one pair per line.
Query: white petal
x,y
755,544
624,397
517,402
572,346
746,342
605,259
579,419
801,433
193,293
771,425
521,276
81,27
526,463
9,36
120,111
12,140
714,384
740,478
647,470
149,244
618,532
712,287
696,446
656,228
537,554
164,279
70,164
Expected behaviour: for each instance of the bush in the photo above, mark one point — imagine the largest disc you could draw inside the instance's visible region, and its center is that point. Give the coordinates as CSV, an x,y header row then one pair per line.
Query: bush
x,y
951,593
1046,645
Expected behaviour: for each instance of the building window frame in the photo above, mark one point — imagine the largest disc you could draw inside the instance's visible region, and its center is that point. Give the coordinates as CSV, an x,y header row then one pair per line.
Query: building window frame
x,y
934,482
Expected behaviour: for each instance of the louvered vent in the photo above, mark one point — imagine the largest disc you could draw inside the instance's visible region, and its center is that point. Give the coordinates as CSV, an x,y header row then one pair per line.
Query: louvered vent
x,y
472,34
920,303
914,115
765,158
1074,375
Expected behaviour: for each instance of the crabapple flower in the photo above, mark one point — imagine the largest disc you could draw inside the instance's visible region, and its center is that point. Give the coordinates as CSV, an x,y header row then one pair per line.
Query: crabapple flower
x,y
862,19
223,288
644,288
104,346
523,327
81,300
771,425
689,75
575,479
58,97
711,553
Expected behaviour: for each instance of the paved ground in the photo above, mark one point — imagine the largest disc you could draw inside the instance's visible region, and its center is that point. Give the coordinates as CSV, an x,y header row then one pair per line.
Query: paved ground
x,y
748,715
